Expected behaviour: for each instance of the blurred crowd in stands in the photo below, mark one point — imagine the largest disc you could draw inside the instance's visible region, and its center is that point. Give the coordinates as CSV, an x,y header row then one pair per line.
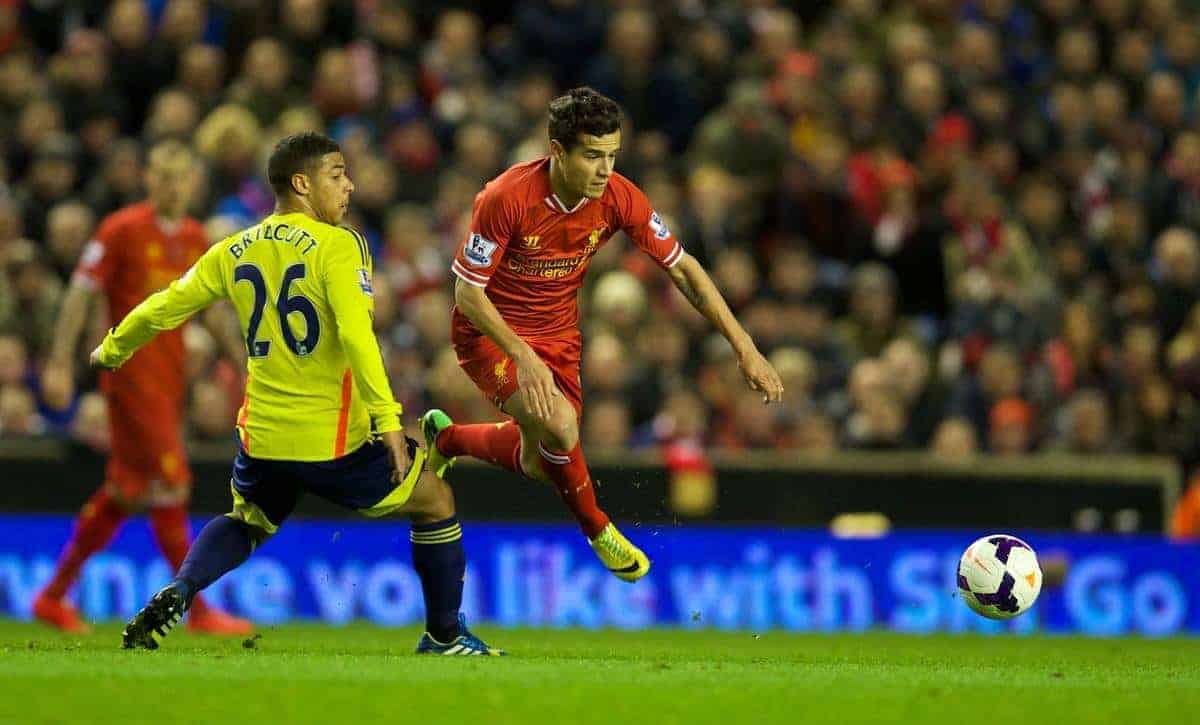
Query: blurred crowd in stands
x,y
953,225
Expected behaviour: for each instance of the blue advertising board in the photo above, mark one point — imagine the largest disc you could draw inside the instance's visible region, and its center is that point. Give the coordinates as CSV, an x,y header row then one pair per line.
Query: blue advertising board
x,y
545,575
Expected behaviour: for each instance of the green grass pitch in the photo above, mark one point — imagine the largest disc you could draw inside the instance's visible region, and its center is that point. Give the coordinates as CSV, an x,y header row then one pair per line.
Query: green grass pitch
x,y
359,674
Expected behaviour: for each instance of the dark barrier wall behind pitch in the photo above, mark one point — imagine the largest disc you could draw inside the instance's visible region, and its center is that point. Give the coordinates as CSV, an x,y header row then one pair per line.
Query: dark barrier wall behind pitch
x,y
974,496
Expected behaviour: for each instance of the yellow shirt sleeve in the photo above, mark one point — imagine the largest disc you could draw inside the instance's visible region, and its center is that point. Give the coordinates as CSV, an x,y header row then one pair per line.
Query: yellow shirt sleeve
x,y
348,285
166,309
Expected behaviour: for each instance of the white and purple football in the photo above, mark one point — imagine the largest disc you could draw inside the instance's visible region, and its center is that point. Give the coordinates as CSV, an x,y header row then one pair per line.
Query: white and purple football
x,y
999,576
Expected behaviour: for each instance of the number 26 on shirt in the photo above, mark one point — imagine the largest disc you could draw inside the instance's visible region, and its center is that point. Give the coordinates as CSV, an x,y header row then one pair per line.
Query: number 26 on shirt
x,y
284,306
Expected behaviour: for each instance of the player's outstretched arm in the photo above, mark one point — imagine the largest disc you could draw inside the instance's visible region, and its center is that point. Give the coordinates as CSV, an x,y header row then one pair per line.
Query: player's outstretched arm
x,y
534,378
163,310
58,377
695,284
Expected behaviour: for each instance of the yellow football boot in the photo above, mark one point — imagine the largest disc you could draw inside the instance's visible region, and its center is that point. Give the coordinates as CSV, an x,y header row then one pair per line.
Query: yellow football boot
x,y
433,422
622,558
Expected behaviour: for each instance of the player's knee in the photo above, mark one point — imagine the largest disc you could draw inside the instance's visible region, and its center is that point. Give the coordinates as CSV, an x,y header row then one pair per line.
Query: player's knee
x,y
256,532
531,465
432,500
258,536
562,430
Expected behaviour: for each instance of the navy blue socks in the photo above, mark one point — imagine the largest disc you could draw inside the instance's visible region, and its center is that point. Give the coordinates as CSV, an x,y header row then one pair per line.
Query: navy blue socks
x,y
438,557
223,544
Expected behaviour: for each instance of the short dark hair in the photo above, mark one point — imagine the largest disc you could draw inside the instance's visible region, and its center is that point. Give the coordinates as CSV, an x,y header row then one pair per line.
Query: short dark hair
x,y
582,110
295,154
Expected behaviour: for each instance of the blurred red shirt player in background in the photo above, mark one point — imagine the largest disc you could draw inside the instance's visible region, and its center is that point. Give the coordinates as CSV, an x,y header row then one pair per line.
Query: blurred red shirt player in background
x,y
136,251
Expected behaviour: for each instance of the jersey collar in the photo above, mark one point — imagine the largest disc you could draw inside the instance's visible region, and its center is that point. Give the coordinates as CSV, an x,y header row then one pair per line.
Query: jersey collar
x,y
552,200
556,204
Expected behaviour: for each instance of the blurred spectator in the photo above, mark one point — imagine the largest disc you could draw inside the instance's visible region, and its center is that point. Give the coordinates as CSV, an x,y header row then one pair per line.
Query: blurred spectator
x,y
228,139
1000,376
922,103
306,28
53,174
32,291
82,72
606,425
1177,262
654,94
1076,358
619,302
816,201
561,33
1010,428
90,425
139,69
1174,194
210,414
118,183
69,226
410,258
14,360
874,317
876,417
202,74
922,396
736,277
1087,425
450,59
744,138
605,365
334,92
909,244
816,435
18,412
264,85
954,440
1155,422
173,114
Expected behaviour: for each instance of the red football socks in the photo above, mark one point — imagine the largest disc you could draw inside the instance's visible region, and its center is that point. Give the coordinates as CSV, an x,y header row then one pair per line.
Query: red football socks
x,y
172,533
570,475
500,445
496,443
98,522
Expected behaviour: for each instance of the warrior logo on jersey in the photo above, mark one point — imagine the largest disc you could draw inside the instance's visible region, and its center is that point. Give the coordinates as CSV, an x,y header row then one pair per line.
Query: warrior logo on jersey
x,y
479,250
364,282
659,227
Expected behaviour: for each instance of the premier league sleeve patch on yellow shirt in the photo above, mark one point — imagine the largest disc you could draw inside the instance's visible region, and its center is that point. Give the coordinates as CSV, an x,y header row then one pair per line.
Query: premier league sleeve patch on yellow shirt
x,y
364,282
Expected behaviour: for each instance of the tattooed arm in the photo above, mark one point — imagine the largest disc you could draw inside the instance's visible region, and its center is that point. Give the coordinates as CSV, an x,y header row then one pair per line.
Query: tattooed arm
x,y
695,284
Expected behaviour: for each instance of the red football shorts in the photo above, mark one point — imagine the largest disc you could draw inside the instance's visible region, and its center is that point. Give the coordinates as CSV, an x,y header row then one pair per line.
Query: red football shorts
x,y
493,373
148,465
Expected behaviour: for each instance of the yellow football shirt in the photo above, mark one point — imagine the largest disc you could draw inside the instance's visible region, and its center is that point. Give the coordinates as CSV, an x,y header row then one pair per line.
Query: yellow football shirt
x,y
302,288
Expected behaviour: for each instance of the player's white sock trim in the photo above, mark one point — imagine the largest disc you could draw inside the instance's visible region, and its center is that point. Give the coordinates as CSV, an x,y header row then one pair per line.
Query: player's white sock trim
x,y
559,458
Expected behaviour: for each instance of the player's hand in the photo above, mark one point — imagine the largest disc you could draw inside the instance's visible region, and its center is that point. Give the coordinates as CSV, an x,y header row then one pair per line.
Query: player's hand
x,y
761,376
536,382
398,447
58,385
96,361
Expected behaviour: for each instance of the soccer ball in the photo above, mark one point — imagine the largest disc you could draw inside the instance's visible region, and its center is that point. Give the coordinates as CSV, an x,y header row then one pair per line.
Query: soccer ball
x,y
999,576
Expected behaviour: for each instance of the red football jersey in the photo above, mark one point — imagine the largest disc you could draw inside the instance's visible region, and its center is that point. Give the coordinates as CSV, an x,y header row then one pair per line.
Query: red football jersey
x,y
133,255
531,252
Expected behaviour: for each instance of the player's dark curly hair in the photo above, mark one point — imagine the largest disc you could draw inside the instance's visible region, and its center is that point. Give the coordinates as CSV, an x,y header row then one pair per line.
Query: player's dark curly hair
x,y
295,154
582,110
